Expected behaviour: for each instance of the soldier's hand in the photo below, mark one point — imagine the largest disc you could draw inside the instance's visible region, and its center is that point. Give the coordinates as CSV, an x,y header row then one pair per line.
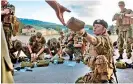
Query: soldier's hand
x,y
36,56
32,55
6,11
81,32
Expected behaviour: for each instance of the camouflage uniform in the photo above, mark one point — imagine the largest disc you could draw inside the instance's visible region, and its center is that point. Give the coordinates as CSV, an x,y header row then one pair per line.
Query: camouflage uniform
x,y
77,50
17,46
7,21
69,45
54,46
61,41
100,64
125,32
36,45
100,58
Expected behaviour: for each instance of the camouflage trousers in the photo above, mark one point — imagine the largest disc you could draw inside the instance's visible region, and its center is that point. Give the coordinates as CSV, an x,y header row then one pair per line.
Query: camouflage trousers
x,y
8,34
27,53
102,70
76,51
124,36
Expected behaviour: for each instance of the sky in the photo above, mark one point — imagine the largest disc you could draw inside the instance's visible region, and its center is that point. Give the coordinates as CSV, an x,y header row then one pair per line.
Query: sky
x,y
85,10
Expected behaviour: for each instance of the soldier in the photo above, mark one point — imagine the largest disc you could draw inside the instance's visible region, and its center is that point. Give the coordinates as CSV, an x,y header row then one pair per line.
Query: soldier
x,y
62,39
6,64
100,58
62,42
17,46
78,43
125,30
69,44
36,47
7,20
54,47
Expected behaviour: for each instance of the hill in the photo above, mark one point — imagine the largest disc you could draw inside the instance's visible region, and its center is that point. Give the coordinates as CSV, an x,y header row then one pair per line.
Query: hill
x,y
47,25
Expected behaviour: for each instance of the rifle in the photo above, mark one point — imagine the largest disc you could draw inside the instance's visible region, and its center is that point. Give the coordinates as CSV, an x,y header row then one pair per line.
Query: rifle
x,y
114,71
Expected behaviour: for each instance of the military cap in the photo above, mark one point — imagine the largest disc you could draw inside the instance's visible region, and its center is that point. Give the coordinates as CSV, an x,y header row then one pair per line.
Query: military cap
x,y
121,3
39,34
102,22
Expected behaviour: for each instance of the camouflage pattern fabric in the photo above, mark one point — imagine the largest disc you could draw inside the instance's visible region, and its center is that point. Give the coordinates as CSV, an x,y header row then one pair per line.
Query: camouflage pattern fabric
x,y
54,46
100,61
7,21
122,37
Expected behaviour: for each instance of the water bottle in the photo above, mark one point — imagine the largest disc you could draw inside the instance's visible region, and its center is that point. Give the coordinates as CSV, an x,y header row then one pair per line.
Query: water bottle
x,y
35,64
55,61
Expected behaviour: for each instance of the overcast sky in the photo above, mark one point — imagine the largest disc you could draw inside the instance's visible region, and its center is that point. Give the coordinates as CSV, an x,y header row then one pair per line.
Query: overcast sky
x,y
86,10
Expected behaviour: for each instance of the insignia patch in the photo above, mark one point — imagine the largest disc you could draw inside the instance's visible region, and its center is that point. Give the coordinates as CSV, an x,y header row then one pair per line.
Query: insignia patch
x,y
98,20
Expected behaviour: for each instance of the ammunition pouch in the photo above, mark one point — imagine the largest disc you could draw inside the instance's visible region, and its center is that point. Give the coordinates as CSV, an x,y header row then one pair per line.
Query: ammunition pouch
x,y
43,63
27,64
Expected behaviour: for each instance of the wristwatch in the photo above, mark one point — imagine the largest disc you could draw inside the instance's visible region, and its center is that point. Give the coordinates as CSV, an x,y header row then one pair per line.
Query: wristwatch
x,y
85,34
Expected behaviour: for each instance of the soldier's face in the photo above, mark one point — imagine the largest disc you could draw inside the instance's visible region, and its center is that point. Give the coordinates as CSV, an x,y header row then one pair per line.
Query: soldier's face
x,y
3,2
98,29
121,6
62,34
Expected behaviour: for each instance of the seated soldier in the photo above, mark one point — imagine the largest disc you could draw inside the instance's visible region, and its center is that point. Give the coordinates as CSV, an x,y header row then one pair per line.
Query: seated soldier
x,y
54,47
62,42
17,46
36,47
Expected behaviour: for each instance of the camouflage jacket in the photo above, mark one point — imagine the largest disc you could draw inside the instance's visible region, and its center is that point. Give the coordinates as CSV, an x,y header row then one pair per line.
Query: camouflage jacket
x,y
62,41
9,17
54,45
35,44
104,47
123,23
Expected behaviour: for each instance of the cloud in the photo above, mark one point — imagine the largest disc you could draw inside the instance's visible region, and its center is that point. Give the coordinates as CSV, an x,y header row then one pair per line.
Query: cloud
x,y
84,8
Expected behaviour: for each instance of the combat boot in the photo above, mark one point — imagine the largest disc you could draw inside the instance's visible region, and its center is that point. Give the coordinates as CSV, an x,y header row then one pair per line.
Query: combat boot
x,y
71,57
129,55
120,57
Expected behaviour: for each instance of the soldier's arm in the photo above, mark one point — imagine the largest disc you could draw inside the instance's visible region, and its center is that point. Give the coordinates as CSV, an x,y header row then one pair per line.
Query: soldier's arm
x,y
18,54
113,19
42,49
129,15
43,46
48,45
91,39
29,45
5,11
11,8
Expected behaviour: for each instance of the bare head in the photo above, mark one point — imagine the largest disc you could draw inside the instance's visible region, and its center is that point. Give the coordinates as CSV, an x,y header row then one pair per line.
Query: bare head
x,y
121,5
62,33
38,34
99,27
3,2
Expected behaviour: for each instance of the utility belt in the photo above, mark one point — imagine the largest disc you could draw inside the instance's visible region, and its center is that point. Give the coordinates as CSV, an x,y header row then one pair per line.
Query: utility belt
x,y
8,19
6,24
